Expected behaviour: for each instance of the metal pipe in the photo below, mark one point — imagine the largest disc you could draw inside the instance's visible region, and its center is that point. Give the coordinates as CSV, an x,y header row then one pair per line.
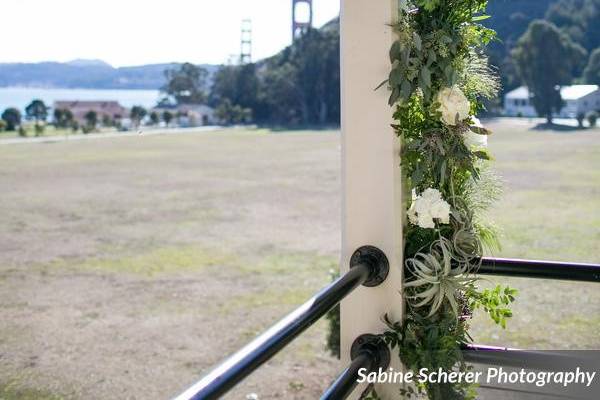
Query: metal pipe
x,y
529,359
368,264
369,352
347,381
540,269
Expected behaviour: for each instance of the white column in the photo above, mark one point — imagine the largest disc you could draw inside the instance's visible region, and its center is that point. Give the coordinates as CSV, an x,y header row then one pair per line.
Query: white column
x,y
372,210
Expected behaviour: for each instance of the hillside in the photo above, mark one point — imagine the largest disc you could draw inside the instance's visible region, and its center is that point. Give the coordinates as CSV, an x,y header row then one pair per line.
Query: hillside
x,y
87,74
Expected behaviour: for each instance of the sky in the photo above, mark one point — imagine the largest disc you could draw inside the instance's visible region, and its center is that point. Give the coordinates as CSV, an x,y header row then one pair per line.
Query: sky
x,y
136,32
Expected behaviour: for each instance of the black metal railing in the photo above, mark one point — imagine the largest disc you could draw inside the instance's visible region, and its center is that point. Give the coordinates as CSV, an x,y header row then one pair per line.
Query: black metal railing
x,y
368,266
540,360
540,269
369,352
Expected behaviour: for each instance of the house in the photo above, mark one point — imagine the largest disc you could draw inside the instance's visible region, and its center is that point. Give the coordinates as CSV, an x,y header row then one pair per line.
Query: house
x,y
578,99
103,109
188,115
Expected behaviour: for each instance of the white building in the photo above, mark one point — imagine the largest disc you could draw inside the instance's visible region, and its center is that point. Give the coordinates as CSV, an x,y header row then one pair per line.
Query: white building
x,y
577,99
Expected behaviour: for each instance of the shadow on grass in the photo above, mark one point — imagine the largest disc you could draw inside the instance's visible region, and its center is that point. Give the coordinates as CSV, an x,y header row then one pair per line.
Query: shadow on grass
x,y
296,128
557,128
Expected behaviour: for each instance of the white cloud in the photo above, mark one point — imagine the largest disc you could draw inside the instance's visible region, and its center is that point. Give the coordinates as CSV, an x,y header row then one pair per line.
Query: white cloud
x,y
133,32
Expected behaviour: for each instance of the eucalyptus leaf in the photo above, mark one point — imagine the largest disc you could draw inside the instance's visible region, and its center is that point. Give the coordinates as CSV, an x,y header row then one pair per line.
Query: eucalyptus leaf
x,y
480,130
417,41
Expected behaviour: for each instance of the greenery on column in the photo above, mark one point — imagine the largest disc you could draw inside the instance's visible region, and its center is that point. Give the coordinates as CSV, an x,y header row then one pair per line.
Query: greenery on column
x,y
438,80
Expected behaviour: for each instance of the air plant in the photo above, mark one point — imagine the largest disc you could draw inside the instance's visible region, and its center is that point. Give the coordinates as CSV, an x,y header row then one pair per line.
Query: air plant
x,y
436,279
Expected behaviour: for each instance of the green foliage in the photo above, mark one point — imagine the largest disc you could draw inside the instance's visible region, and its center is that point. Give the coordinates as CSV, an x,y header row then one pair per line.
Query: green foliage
x,y
107,121
154,118
591,73
592,118
187,84
37,110
333,318
12,117
63,118
137,114
298,86
39,129
578,19
431,343
91,120
167,116
545,58
230,114
440,46
495,302
580,118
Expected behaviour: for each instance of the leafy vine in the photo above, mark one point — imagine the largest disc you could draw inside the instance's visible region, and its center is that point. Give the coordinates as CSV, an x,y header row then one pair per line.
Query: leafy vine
x,y
438,82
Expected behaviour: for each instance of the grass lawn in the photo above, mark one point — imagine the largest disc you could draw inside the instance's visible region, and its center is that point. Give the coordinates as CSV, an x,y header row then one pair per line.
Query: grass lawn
x,y
131,264
550,211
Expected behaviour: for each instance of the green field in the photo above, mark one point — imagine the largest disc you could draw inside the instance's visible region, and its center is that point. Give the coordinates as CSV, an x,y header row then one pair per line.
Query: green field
x,y
130,265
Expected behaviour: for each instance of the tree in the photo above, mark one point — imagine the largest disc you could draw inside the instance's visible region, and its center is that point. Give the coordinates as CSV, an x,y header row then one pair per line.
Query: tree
x,y
137,114
187,85
592,118
591,73
154,118
240,84
63,118
91,119
545,58
167,116
580,118
579,19
12,117
107,121
37,111
228,113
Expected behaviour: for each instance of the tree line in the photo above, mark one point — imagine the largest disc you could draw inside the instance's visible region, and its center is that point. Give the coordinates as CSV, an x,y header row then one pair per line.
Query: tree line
x,y
300,86
38,112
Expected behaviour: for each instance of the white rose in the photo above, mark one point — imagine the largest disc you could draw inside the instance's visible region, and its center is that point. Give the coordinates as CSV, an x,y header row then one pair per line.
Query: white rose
x,y
441,210
474,139
454,105
427,208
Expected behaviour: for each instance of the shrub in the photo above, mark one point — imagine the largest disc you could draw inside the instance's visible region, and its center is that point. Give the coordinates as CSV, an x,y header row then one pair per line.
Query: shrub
x,y
2,125
39,129
12,117
580,119
22,132
592,118
333,317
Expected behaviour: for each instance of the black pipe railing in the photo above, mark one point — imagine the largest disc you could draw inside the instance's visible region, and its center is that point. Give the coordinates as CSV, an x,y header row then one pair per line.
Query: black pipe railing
x,y
531,359
368,266
540,269
369,352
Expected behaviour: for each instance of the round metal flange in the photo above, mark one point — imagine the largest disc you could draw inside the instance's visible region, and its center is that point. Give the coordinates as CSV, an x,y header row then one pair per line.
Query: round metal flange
x,y
377,262
375,346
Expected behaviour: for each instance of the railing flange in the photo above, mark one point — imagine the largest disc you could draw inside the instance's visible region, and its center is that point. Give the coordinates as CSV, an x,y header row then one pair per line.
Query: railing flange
x,y
375,346
376,260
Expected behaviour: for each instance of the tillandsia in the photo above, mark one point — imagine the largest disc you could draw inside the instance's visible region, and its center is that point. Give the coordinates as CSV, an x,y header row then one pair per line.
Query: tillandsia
x,y
438,82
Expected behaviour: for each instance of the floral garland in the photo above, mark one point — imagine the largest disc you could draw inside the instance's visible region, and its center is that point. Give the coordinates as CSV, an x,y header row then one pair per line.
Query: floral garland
x,y
438,81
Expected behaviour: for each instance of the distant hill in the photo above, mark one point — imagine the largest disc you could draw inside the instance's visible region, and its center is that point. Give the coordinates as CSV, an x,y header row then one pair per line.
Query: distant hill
x,y
85,74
